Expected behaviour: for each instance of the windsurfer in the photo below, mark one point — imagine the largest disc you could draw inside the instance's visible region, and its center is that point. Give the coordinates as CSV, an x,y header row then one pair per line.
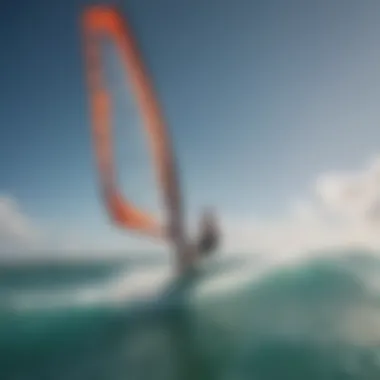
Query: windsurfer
x,y
208,239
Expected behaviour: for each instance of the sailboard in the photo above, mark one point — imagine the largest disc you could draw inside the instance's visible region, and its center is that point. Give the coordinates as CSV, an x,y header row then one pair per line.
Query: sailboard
x,y
109,22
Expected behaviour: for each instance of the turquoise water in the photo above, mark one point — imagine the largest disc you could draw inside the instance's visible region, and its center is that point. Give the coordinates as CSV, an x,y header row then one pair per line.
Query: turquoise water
x,y
241,319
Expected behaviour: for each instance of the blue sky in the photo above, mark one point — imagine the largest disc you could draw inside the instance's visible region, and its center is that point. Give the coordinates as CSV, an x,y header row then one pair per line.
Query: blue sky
x,y
261,98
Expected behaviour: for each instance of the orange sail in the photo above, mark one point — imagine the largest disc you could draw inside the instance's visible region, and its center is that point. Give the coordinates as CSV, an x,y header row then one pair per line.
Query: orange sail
x,y
100,21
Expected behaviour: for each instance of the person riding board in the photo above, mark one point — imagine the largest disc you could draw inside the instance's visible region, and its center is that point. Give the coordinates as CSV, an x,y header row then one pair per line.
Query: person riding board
x,y
208,239
205,244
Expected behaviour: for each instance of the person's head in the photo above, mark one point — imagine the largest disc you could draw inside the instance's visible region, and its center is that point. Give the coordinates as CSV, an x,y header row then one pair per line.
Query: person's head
x,y
208,215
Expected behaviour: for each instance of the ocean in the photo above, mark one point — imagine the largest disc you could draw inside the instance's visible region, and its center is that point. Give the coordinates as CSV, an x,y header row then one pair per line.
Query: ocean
x,y
243,317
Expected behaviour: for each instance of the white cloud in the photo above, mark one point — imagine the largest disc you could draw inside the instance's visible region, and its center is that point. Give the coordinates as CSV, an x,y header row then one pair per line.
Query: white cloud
x,y
110,240
342,211
21,236
17,231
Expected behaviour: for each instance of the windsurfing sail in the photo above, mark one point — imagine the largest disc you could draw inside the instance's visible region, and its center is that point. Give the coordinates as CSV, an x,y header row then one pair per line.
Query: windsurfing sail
x,y
106,21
